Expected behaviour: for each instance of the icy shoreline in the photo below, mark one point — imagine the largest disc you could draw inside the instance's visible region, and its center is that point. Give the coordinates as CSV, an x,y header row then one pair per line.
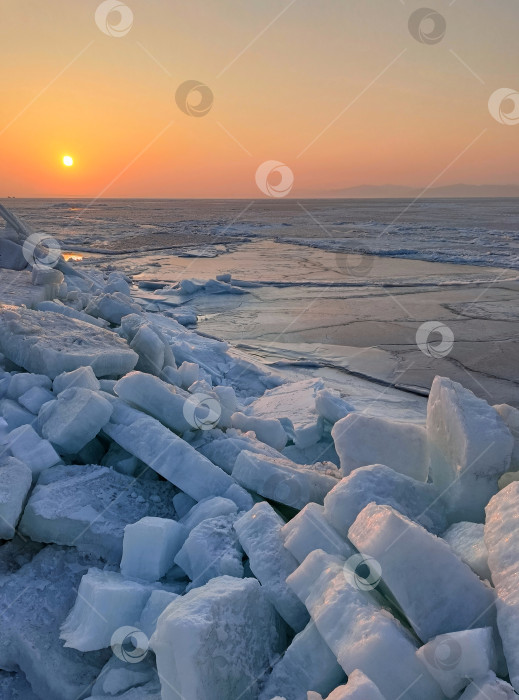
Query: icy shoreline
x,y
179,521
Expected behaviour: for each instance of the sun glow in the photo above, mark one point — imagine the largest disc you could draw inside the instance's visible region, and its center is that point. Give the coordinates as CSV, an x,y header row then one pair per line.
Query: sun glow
x,y
68,161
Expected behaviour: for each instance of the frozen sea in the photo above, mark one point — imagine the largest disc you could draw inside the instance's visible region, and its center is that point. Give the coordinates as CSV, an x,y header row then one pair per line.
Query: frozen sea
x,y
339,288
471,231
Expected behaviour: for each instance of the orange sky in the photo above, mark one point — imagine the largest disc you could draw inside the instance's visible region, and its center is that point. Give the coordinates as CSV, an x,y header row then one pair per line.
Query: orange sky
x,y
388,108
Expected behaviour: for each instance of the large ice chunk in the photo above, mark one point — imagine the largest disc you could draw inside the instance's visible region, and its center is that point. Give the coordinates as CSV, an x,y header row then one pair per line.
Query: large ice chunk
x,y
56,306
468,541
20,383
293,404
502,541
455,659
105,602
146,339
224,448
230,635
360,632
82,377
166,453
15,482
34,398
74,419
150,394
50,343
308,664
208,508
211,549
267,430
429,598
331,406
14,415
27,446
310,530
381,484
112,307
34,601
157,603
470,447
150,546
89,506
284,481
259,532
362,440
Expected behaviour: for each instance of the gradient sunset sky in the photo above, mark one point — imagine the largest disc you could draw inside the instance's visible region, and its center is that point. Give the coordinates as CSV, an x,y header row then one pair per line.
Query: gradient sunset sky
x,y
339,90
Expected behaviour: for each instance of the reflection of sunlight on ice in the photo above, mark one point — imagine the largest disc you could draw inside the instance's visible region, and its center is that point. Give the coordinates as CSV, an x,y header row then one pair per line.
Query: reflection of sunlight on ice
x,y
74,257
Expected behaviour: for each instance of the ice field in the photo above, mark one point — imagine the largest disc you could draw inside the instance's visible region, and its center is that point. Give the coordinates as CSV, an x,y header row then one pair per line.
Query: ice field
x,y
185,518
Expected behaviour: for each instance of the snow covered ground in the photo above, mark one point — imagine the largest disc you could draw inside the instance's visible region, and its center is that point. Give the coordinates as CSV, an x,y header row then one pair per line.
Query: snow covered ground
x,y
185,519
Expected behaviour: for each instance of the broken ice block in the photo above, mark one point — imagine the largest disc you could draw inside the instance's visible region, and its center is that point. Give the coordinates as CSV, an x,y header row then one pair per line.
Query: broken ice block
x,y
380,484
310,530
34,601
225,448
331,406
26,445
293,404
470,447
429,598
22,382
307,664
50,343
267,430
105,602
157,603
15,482
211,549
150,546
150,349
362,440
155,397
282,480
360,632
502,541
259,532
230,636
88,507
468,542
80,378
74,419
455,659
112,307
14,415
208,508
166,453
34,398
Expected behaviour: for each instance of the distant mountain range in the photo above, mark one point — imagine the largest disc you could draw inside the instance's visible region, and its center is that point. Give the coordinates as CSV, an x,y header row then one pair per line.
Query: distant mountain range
x,y
395,191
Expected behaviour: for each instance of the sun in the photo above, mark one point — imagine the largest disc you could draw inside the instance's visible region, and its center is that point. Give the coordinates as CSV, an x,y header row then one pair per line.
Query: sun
x,y
68,161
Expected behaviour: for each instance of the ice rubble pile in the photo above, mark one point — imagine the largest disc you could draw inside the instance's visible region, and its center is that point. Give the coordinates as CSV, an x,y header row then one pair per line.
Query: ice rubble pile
x,y
170,530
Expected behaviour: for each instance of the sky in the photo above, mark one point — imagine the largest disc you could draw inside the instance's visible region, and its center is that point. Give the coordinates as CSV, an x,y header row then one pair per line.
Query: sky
x,y
340,92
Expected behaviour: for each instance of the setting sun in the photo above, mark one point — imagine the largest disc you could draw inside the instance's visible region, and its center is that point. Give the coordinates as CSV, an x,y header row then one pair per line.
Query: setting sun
x,y
68,161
